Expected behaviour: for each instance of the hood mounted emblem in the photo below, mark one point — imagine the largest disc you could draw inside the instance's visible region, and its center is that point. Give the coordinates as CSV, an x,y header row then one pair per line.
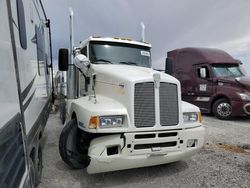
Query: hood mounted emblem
x,y
157,78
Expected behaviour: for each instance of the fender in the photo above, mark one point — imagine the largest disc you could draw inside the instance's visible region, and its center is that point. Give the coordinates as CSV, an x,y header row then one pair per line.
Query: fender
x,y
86,107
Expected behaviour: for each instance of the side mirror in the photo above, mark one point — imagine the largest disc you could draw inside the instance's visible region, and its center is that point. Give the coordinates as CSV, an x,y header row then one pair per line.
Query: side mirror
x,y
81,61
168,66
63,59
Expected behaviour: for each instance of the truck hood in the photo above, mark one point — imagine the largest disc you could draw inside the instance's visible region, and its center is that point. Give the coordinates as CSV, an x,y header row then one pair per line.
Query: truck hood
x,y
245,81
119,83
116,74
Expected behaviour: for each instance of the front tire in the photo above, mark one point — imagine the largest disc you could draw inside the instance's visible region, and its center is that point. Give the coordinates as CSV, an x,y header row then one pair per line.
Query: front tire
x,y
222,109
68,146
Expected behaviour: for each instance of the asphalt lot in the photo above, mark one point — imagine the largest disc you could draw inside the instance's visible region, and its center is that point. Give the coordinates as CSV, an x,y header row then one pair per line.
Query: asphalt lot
x,y
223,162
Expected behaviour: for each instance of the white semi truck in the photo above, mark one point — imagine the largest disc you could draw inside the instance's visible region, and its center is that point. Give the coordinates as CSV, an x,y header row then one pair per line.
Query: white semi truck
x,y
25,90
120,113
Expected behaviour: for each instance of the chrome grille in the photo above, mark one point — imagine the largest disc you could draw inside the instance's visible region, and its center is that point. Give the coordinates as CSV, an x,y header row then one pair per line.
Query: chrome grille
x,y
144,104
168,104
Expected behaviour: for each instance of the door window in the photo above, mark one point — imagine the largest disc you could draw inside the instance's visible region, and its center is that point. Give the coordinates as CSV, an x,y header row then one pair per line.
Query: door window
x,y
203,72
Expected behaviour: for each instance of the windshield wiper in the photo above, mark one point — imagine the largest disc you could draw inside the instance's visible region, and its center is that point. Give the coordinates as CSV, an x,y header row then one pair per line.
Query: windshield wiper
x,y
128,63
102,61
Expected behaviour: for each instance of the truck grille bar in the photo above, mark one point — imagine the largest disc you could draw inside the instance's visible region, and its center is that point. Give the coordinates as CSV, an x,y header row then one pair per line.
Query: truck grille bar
x,y
168,104
144,104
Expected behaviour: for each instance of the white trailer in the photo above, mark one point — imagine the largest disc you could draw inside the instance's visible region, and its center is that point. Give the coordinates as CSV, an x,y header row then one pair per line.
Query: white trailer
x,y
25,90
122,114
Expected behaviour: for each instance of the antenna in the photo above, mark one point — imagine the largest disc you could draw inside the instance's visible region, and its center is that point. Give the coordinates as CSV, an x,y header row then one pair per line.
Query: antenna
x,y
142,32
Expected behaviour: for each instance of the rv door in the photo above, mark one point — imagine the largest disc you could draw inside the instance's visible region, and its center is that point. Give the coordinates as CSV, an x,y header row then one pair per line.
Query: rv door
x,y
13,161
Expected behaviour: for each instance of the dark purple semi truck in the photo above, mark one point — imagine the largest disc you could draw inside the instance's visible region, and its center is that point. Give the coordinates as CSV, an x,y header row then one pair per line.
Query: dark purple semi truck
x,y
212,80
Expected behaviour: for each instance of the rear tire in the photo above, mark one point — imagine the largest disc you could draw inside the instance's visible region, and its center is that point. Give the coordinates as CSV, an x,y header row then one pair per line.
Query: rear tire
x,y
68,146
222,109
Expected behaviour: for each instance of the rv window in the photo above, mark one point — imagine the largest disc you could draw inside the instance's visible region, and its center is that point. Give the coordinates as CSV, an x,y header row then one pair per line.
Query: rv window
x,y
41,55
21,24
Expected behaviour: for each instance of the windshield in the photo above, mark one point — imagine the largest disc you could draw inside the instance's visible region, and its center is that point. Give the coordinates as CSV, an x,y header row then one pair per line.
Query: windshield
x,y
119,53
227,71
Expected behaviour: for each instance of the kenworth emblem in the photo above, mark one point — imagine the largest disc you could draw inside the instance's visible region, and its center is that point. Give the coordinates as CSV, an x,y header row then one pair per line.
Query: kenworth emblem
x,y
157,78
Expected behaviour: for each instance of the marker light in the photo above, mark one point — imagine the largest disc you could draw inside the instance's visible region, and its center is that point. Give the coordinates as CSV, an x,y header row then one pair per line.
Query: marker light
x,y
199,117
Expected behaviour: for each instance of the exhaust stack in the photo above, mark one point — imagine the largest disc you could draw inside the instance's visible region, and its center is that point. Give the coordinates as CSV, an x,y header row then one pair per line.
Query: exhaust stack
x,y
71,17
71,89
142,32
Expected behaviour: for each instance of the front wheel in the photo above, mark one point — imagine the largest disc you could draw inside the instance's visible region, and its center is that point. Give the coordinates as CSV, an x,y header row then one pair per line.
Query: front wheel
x,y
222,109
69,149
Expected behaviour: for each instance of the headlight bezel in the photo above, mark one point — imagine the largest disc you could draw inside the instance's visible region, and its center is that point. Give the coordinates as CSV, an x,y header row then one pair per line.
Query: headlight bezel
x,y
192,117
244,96
107,121
115,121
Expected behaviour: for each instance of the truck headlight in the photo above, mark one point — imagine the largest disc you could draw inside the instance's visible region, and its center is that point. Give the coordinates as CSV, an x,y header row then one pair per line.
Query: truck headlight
x,y
106,121
189,117
244,97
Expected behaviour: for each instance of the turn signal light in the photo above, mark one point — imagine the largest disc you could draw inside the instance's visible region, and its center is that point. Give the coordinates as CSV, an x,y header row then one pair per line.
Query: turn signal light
x,y
94,122
199,117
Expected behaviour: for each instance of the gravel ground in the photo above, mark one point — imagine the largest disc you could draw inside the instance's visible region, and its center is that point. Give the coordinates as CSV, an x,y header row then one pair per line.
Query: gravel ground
x,y
223,162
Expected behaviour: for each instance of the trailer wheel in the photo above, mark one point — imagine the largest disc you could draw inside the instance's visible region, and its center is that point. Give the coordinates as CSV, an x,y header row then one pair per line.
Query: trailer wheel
x,y
38,166
70,153
62,109
222,109
32,173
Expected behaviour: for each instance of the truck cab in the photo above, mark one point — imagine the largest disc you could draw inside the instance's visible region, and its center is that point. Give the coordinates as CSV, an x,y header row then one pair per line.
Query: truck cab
x,y
212,80
123,114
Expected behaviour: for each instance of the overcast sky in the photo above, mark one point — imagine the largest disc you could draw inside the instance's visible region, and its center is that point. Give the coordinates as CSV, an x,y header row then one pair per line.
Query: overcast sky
x,y
170,24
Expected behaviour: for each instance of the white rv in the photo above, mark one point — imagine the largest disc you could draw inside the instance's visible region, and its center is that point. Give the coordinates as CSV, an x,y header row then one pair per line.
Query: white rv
x,y
122,114
25,90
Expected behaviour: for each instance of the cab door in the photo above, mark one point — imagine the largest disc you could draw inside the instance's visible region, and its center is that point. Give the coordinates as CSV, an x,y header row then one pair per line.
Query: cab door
x,y
204,89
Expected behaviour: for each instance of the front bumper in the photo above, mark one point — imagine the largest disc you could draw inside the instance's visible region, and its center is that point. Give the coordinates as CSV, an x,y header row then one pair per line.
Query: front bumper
x,y
134,150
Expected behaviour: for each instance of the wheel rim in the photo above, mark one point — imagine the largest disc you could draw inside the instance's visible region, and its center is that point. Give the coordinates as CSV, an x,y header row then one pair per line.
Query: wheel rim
x,y
224,109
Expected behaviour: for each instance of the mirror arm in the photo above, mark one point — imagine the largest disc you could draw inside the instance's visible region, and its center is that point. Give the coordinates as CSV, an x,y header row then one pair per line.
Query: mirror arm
x,y
87,79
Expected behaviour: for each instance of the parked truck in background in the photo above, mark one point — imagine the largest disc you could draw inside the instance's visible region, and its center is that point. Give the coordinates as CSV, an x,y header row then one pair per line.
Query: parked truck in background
x,y
122,114
211,79
26,91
